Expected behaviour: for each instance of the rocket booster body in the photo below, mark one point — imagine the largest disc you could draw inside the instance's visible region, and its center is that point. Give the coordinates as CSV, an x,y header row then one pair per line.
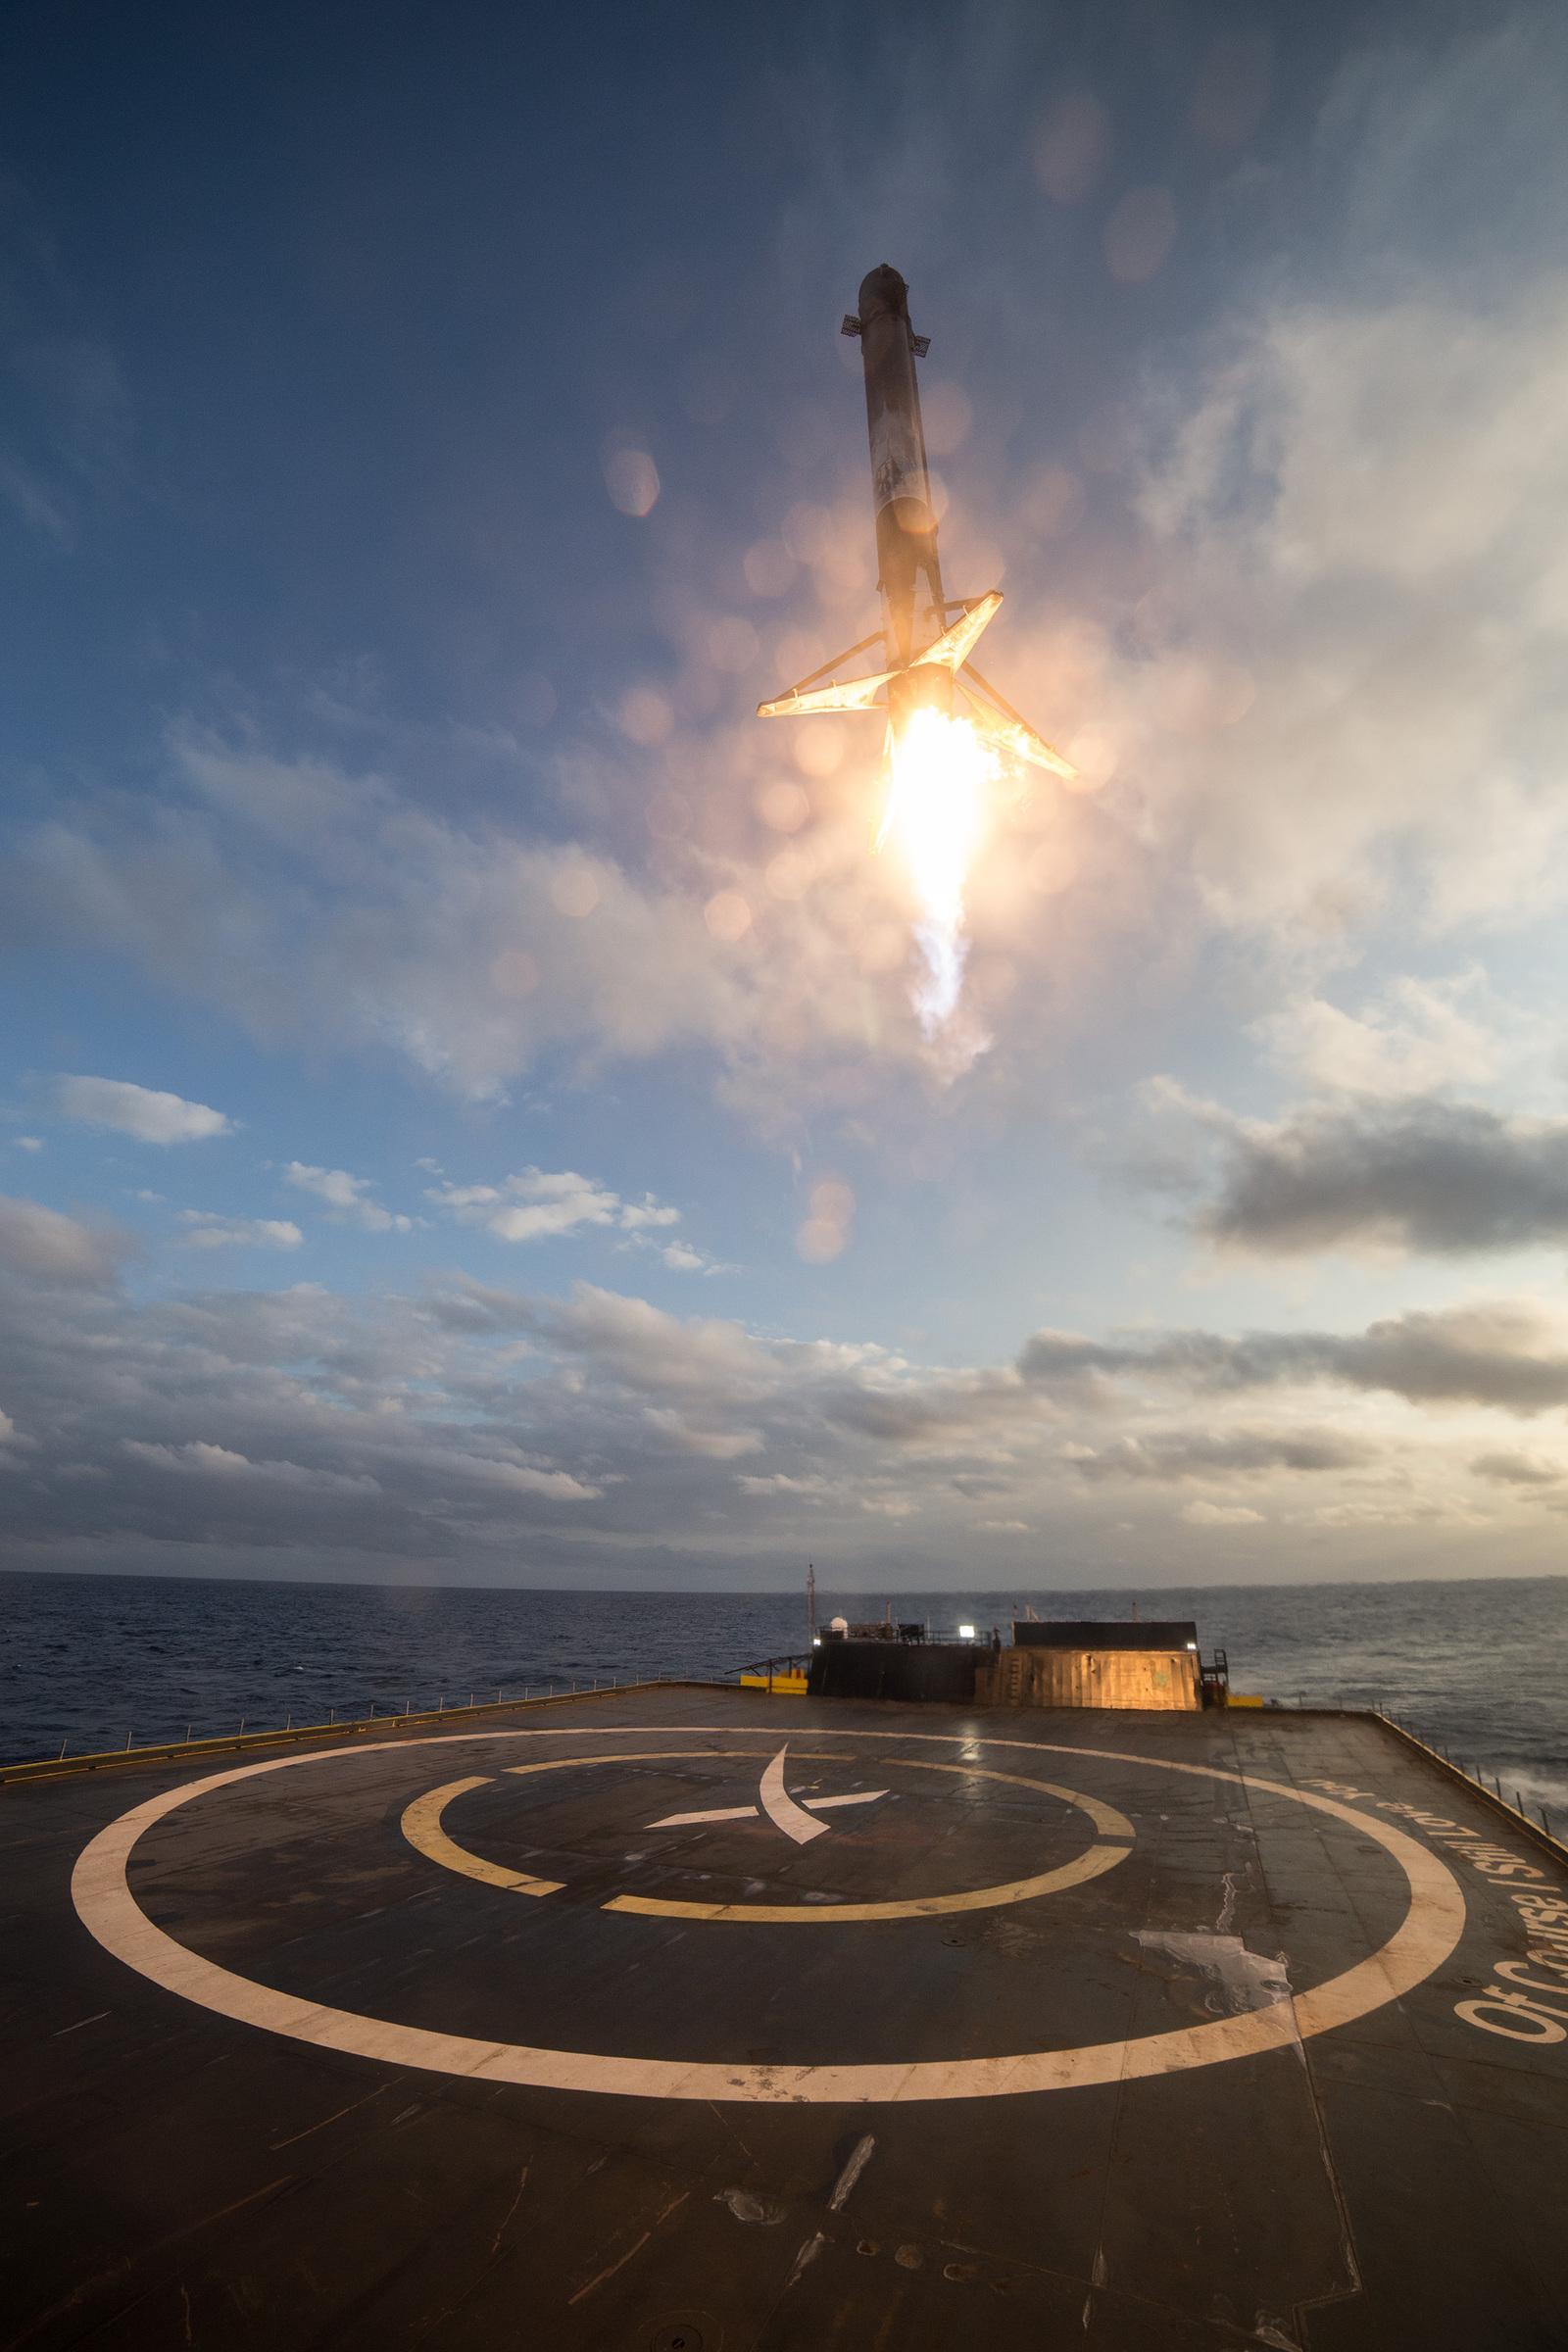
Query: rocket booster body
x,y
926,655
901,483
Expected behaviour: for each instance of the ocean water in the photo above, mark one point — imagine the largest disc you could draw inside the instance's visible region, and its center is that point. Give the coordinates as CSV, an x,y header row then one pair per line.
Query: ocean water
x,y
1479,1667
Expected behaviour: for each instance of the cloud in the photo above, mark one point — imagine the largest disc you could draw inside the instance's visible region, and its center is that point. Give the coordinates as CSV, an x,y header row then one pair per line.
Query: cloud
x,y
1418,1037
152,1118
298,1419
1520,1469
349,1196
1171,1456
1425,1174
639,1216
533,1206
1507,1355
483,1433
651,1355
1411,1510
1356,508
779,1485
300,899
205,1230
300,896
684,1257
510,1477
67,417
42,1244
194,1459
22,489
1220,1514
714,1445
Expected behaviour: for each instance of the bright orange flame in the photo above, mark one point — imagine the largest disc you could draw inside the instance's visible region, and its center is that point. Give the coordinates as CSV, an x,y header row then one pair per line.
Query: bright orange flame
x,y
937,813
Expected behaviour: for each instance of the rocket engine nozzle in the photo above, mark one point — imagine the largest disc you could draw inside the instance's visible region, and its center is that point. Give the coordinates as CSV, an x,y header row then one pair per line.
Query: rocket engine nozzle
x,y
924,686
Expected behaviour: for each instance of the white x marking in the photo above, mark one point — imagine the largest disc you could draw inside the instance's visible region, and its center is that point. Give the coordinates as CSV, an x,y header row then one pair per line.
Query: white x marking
x,y
778,1805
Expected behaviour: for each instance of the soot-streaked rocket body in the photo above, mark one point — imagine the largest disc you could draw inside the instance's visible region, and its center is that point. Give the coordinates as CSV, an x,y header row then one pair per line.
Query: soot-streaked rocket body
x,y
925,653
901,481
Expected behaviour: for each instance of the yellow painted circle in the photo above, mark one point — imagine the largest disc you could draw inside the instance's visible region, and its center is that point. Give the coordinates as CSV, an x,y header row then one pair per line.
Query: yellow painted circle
x,y
421,1826
1427,1933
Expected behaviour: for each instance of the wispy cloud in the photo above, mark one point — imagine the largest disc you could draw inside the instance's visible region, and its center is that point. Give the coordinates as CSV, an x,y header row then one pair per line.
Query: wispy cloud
x,y
1507,1355
206,1230
1174,1455
151,1117
684,1257
196,1460
1415,1037
1220,1514
350,1199
69,415
535,1206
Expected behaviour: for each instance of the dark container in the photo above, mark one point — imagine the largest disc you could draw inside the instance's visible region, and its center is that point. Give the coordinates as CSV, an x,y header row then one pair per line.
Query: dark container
x,y
895,1669
1089,1632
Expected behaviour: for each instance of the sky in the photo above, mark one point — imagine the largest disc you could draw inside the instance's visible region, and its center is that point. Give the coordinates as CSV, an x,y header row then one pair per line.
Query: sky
x,y
466,1115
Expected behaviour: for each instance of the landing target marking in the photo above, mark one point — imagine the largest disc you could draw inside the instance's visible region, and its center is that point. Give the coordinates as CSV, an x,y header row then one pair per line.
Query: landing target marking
x,y
1431,1929
421,1826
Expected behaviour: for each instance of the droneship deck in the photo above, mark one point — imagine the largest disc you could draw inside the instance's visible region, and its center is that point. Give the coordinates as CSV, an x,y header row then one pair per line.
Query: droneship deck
x,y
688,2021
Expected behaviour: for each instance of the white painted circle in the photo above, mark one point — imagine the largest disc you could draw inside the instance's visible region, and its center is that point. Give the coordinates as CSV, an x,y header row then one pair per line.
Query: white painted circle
x,y
1427,1933
439,1846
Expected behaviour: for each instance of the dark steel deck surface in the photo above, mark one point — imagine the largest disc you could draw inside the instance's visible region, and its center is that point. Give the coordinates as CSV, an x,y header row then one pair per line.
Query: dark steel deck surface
x,y
285,2071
